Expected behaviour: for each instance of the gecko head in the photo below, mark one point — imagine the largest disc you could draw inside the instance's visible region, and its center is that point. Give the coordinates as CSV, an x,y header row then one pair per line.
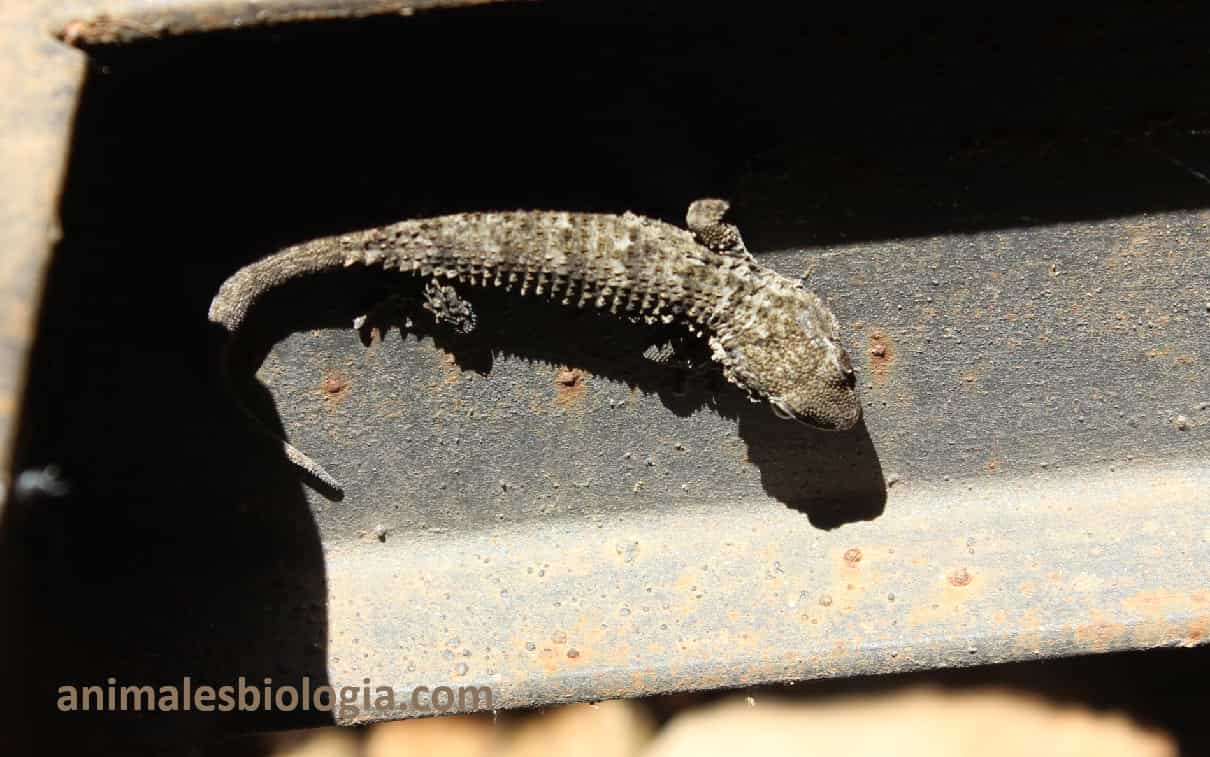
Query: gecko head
x,y
799,364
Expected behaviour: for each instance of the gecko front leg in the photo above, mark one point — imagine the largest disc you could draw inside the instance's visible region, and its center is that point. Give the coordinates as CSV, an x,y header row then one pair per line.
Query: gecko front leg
x,y
684,355
705,219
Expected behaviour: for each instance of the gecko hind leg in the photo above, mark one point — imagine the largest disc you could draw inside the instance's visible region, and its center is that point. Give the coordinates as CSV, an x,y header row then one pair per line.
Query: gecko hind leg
x,y
449,308
442,301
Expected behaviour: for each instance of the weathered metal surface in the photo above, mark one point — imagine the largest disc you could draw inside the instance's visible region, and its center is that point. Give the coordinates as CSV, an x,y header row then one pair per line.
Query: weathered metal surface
x,y
36,102
726,594
1066,515
536,508
113,23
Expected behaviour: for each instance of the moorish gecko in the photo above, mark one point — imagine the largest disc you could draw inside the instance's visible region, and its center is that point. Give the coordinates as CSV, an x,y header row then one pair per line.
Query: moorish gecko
x,y
772,336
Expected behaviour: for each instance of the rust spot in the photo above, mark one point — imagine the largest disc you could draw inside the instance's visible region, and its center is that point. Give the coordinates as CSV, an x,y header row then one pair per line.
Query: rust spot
x,y
1098,635
450,364
959,577
960,589
992,465
882,355
333,387
569,378
1199,630
335,383
969,378
852,556
570,384
573,654
1160,604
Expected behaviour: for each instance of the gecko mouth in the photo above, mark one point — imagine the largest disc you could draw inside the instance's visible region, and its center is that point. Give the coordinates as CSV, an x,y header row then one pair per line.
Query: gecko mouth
x,y
783,411
778,406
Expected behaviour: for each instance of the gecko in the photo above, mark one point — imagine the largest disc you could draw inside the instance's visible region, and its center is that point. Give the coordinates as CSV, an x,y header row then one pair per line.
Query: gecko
x,y
771,336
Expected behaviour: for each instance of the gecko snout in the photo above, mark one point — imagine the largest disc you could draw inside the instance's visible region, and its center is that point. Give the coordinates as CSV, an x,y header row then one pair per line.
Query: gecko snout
x,y
828,400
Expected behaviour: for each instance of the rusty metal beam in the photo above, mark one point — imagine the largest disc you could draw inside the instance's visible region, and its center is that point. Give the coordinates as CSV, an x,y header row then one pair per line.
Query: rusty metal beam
x,y
116,24
536,508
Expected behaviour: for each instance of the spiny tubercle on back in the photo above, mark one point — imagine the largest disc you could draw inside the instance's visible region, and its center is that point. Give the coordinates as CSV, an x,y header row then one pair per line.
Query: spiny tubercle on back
x,y
627,264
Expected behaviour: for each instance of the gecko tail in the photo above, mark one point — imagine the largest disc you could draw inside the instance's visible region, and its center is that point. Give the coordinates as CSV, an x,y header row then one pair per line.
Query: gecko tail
x,y
299,458
330,486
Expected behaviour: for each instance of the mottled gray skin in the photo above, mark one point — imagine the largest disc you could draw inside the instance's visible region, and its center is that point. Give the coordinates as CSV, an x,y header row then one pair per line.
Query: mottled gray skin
x,y
771,336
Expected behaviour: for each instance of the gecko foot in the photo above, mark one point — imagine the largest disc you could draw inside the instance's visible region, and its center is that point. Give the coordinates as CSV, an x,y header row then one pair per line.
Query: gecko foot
x,y
683,355
449,308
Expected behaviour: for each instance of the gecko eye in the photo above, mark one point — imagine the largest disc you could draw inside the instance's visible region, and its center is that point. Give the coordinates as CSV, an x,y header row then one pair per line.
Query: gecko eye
x,y
846,364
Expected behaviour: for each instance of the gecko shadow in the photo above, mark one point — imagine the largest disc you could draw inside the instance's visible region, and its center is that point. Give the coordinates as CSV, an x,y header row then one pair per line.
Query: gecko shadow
x,y
832,477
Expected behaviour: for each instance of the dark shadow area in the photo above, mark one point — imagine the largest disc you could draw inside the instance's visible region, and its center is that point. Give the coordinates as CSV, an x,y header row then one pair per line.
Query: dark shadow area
x,y
180,552
824,125
832,477
169,558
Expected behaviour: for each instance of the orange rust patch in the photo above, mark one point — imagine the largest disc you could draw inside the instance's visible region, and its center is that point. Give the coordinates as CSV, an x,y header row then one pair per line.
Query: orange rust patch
x,y
855,571
1199,631
1159,604
1099,634
992,466
1030,620
334,387
570,385
569,378
950,599
959,577
882,355
450,364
